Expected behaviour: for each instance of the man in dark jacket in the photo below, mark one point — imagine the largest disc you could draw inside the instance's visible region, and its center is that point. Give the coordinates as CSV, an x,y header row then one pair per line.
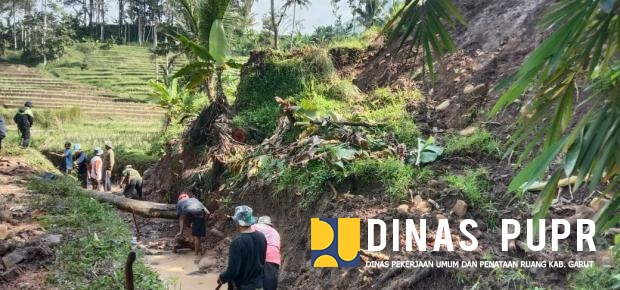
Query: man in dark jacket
x,y
2,130
246,258
24,119
81,163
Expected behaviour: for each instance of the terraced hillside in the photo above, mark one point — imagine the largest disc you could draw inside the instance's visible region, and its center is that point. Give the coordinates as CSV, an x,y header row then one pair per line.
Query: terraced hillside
x,y
124,70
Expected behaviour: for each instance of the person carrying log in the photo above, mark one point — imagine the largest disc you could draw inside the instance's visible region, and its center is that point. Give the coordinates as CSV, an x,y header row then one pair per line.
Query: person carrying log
x,y
67,159
134,183
247,254
273,257
81,164
24,119
192,213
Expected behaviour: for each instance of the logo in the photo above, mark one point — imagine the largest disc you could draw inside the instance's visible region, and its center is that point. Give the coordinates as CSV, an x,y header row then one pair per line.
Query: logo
x,y
335,242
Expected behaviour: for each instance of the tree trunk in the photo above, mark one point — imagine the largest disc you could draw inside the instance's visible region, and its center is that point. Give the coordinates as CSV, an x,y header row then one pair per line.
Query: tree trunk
x,y
102,32
293,30
121,19
143,208
13,25
91,7
44,31
274,25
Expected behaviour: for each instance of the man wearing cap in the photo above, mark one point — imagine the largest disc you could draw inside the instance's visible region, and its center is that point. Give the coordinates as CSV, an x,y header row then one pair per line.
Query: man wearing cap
x,y
67,158
81,163
134,182
246,257
193,213
95,172
273,258
24,119
108,165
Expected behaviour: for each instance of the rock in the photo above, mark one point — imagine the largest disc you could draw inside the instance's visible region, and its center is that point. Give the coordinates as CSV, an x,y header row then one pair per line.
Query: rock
x,y
481,225
424,207
4,231
444,105
468,131
10,274
206,263
403,209
598,203
460,208
52,240
477,234
6,216
471,89
441,217
5,247
12,259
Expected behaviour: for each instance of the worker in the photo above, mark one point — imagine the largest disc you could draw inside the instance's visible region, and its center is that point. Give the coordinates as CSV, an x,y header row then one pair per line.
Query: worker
x,y
273,258
81,164
192,213
96,165
24,119
67,159
246,256
108,165
2,130
134,182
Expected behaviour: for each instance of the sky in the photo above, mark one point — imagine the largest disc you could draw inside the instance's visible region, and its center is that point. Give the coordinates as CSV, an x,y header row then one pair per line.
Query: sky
x,y
319,13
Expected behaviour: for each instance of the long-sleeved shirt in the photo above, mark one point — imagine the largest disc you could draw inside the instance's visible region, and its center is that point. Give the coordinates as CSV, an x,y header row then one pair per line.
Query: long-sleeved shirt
x,y
81,160
273,243
246,260
68,159
95,168
108,159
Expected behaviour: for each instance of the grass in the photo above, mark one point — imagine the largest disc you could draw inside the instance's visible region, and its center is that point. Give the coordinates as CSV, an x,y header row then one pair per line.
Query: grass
x,y
475,186
97,239
30,155
480,142
392,174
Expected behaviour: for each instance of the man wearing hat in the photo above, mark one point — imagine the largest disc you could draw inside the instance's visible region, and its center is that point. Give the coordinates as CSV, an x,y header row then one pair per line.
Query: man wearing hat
x,y
273,258
81,164
67,158
246,257
134,182
24,119
108,165
193,213
96,165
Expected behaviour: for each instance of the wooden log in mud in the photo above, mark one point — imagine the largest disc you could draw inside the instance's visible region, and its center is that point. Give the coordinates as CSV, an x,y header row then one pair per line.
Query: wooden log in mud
x,y
142,208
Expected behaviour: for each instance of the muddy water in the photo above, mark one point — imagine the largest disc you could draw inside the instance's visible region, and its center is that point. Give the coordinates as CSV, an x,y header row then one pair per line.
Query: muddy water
x,y
179,272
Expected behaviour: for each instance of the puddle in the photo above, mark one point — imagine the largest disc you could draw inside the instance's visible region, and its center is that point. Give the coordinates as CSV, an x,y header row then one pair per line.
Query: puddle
x,y
179,272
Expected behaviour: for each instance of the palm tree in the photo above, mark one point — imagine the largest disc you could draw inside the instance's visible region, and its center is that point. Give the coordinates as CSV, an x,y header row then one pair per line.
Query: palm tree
x,y
580,53
369,12
295,3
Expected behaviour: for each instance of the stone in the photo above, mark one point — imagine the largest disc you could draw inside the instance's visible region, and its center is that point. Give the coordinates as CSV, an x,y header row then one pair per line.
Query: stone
x,y
468,131
471,89
460,208
441,217
12,259
206,263
6,216
10,274
4,231
5,247
481,225
477,234
403,209
52,240
444,105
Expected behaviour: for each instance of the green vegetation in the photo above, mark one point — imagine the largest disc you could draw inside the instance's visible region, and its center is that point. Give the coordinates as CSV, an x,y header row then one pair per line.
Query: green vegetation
x,y
480,142
98,243
315,176
30,155
392,174
597,277
475,185
122,69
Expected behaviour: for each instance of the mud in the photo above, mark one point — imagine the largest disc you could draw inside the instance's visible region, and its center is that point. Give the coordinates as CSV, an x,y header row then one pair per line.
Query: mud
x,y
180,272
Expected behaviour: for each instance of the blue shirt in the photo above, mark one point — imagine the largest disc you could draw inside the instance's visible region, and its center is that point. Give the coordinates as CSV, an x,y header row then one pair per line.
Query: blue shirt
x,y
68,159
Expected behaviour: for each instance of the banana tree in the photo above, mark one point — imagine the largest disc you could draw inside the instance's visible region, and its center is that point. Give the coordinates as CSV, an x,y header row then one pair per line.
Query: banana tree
x,y
176,101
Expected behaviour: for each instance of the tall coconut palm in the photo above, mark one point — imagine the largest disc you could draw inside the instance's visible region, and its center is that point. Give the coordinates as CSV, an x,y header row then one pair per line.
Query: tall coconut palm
x,y
295,3
369,12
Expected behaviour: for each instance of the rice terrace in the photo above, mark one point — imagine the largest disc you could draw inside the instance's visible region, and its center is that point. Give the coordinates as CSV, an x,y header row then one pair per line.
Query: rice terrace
x,y
300,144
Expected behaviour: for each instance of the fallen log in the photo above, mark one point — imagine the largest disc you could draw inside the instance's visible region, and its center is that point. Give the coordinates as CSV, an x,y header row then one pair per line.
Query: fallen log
x,y
142,208
539,186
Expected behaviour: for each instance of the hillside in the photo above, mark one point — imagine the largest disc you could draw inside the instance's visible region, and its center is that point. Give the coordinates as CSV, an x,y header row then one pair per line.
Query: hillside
x,y
122,69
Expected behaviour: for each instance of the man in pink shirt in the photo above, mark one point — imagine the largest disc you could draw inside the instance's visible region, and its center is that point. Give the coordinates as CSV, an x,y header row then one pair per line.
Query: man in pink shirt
x,y
272,260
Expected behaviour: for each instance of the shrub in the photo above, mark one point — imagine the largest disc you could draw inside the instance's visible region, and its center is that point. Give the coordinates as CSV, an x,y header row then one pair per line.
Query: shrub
x,y
263,118
480,141
311,181
49,118
393,175
344,90
398,122
139,159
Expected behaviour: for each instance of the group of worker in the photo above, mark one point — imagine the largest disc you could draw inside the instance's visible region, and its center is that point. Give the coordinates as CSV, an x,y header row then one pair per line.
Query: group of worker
x,y
98,170
254,256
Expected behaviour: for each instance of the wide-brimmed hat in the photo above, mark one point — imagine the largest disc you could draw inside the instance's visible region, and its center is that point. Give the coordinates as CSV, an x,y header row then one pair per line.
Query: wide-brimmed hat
x,y
108,143
243,216
77,146
98,151
265,220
